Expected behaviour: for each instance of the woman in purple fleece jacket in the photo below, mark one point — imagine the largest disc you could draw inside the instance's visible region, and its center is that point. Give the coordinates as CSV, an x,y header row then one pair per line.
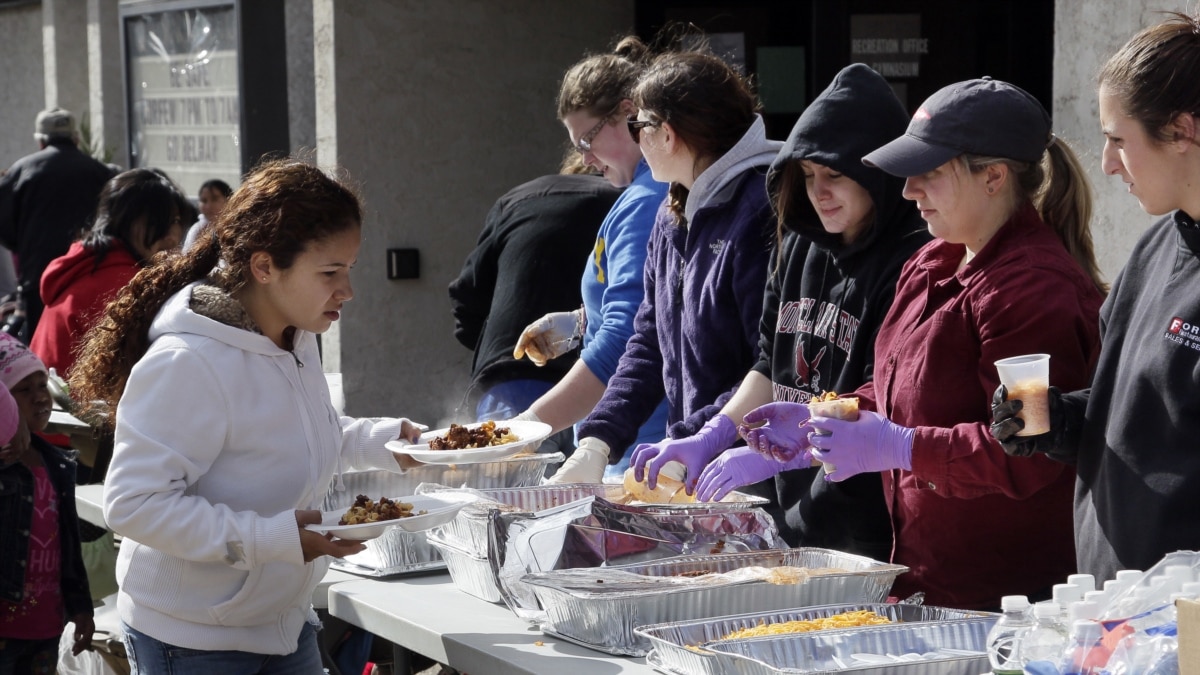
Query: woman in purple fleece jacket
x,y
695,334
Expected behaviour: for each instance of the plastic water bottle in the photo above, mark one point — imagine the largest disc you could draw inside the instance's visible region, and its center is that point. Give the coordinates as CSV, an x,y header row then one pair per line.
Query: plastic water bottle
x,y
1048,638
1085,653
1006,637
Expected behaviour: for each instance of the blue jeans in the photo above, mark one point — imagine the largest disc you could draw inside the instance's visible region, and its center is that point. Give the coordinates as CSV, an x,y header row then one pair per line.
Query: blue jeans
x,y
148,656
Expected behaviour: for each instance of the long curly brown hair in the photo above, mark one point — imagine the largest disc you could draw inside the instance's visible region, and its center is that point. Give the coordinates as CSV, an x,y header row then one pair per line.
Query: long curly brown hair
x,y
281,207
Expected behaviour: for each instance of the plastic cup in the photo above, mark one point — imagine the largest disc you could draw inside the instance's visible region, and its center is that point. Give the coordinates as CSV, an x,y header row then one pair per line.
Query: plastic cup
x,y
1027,378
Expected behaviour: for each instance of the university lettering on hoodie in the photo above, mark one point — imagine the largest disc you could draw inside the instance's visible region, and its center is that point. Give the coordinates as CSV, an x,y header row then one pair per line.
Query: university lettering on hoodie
x,y
826,321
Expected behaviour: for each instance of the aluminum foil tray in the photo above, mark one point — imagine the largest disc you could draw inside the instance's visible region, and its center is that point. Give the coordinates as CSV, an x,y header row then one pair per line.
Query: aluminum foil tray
x,y
399,552
600,608
671,641
471,574
469,530
948,648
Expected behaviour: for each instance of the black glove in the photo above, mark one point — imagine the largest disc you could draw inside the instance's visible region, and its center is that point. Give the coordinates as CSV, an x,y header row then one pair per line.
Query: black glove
x,y
1006,424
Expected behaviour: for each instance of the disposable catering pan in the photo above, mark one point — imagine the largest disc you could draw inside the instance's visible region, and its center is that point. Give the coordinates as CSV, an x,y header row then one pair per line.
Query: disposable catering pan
x,y
600,608
469,530
399,552
464,543
678,645
944,648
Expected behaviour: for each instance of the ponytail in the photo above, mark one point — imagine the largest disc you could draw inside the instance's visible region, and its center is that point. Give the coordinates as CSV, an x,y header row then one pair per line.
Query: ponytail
x,y
1064,200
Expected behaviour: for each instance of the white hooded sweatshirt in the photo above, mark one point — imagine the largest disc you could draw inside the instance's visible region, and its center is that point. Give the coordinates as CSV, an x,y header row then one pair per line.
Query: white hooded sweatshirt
x,y
220,437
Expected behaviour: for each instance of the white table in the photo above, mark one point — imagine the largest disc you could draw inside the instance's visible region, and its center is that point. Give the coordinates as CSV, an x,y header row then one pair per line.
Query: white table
x,y
429,615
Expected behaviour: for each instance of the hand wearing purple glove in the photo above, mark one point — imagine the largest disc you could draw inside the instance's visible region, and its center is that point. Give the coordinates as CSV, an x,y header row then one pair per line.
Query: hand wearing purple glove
x,y
785,434
871,443
694,452
738,467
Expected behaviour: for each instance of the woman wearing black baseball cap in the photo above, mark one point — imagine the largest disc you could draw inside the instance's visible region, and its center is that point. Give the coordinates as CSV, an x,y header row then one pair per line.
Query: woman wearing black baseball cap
x,y
1009,272
1132,433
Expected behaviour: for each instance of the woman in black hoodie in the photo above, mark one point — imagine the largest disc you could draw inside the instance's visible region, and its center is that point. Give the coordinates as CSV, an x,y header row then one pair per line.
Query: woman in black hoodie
x,y
844,231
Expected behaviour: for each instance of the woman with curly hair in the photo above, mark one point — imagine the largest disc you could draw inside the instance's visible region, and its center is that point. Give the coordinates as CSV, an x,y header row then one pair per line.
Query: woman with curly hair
x,y
225,439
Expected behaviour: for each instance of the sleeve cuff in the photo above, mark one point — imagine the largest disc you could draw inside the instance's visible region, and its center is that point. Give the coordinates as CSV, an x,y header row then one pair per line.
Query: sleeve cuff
x,y
276,539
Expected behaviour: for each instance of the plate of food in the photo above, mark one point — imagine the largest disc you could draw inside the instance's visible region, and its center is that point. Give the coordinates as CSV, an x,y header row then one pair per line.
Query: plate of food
x,y
474,443
368,518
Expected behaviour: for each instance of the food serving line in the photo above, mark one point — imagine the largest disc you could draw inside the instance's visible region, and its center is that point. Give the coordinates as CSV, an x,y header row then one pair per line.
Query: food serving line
x,y
579,579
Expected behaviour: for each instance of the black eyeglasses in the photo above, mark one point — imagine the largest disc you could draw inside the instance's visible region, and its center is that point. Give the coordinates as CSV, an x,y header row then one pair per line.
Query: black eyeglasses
x,y
635,128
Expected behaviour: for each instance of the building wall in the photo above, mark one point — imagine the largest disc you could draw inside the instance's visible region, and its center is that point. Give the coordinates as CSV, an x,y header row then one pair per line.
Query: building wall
x,y
22,88
1085,35
436,109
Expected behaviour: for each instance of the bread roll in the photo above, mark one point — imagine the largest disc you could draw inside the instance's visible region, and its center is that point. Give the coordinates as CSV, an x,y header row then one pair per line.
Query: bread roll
x,y
667,490
838,409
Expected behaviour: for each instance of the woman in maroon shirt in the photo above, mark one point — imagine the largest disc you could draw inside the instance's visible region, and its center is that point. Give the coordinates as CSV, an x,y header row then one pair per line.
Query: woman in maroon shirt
x,y
1011,271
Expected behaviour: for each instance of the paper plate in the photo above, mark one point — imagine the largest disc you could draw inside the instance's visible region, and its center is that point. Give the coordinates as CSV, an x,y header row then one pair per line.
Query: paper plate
x,y
528,434
438,511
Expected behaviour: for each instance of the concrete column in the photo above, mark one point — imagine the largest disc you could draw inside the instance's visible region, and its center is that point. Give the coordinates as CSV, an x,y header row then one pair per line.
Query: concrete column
x,y
106,99
436,109
301,106
1086,34
21,80
65,50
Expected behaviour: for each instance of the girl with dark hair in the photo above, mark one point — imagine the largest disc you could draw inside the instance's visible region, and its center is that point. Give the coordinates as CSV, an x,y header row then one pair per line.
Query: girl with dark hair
x,y
1132,434
843,231
695,334
226,441
138,216
214,193
593,104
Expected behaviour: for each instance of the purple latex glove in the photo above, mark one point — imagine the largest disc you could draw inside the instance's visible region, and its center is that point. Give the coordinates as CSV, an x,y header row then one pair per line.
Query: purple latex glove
x,y
694,452
870,443
785,434
741,466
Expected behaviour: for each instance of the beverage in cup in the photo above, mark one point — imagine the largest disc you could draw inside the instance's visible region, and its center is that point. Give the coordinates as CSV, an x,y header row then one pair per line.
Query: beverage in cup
x,y
1027,378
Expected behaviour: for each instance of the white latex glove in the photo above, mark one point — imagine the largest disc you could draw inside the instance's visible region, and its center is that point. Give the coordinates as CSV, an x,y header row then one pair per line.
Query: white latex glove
x,y
585,465
551,336
527,416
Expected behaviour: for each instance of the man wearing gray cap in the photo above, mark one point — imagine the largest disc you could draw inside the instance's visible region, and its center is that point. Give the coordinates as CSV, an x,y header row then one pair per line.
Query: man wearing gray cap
x,y
46,198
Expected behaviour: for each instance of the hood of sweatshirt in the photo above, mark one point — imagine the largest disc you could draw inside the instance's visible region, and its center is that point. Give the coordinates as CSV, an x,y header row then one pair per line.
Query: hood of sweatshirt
x,y
78,263
753,149
857,113
203,309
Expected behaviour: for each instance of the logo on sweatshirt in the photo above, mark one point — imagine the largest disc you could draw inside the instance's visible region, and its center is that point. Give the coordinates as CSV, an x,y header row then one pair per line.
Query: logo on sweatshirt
x,y
807,374
1183,332
717,246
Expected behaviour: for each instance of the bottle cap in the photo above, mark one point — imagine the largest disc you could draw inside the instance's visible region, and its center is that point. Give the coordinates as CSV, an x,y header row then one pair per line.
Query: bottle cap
x,y
1086,629
1098,597
1192,589
1045,610
1085,611
1130,577
1014,603
1085,582
1065,594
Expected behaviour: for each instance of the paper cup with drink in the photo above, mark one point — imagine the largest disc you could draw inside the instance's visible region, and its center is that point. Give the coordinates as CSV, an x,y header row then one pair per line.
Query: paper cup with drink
x,y
1027,378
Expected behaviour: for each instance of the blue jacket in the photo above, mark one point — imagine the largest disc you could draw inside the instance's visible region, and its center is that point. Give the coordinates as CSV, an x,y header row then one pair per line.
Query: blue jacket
x,y
613,286
696,333
16,515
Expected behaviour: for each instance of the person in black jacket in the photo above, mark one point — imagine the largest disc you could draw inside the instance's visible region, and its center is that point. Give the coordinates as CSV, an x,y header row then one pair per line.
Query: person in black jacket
x,y
524,266
844,231
46,200
1132,434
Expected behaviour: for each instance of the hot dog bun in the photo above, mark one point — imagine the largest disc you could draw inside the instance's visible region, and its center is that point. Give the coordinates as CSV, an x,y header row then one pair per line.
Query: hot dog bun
x,y
837,408
667,490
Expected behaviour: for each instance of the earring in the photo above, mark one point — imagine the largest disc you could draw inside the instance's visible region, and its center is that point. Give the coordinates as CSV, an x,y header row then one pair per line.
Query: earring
x,y
990,191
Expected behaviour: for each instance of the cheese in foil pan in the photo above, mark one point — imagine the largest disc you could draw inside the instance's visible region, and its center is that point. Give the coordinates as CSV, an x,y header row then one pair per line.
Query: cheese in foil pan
x,y
601,608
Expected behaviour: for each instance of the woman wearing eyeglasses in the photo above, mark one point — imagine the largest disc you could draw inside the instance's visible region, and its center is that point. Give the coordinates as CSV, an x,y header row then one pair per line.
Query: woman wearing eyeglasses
x,y
593,104
696,334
